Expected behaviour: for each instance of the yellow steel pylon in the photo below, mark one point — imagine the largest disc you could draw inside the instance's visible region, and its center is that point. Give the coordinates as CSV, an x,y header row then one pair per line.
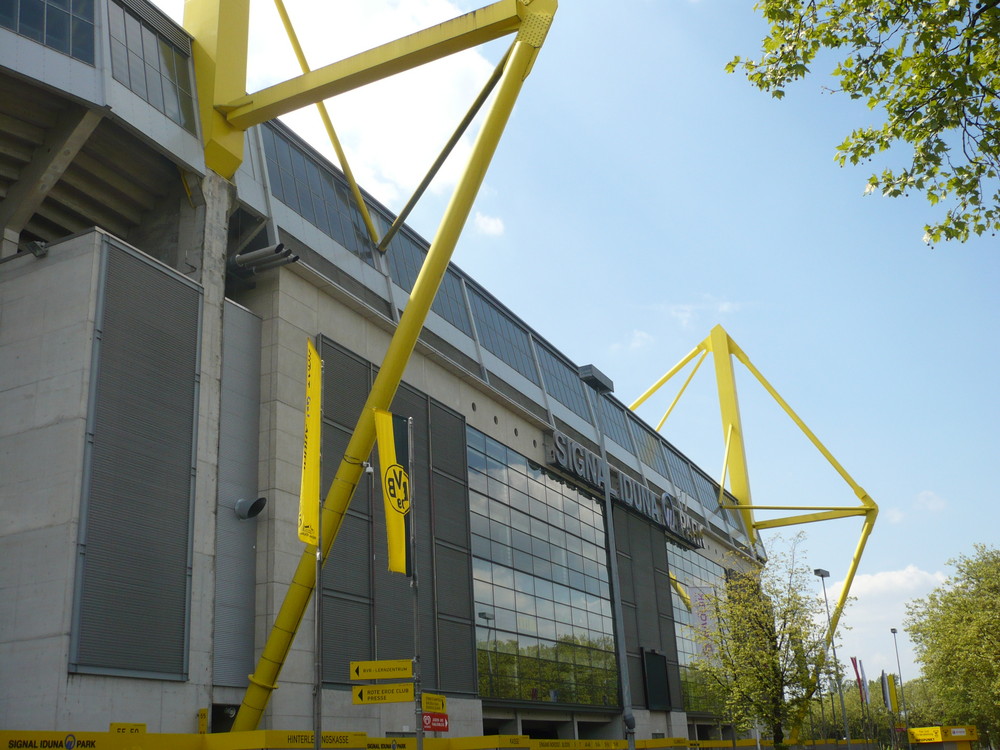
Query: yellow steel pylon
x,y
724,350
220,29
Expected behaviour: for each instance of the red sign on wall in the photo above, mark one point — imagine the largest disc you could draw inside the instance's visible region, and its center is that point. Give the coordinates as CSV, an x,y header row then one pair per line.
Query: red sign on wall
x,y
435,722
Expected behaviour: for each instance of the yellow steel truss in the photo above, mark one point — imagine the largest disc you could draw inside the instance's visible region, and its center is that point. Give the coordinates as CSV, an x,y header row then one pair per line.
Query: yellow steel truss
x,y
219,28
724,350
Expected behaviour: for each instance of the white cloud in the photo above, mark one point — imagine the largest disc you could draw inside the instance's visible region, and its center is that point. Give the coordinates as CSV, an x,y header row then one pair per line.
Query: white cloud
x,y
488,225
880,605
683,314
931,502
893,515
637,340
688,314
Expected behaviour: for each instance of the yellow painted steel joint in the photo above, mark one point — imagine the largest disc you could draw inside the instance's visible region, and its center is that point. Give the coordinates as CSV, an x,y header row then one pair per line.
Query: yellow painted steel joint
x,y
220,29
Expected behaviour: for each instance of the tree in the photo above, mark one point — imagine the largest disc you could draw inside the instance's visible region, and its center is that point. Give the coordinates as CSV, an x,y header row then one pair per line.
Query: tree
x,y
957,640
932,69
762,640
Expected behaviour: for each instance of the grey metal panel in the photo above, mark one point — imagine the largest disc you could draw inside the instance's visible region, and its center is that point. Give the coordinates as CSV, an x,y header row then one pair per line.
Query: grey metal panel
x,y
458,659
347,567
342,645
622,542
453,585
647,618
132,601
636,681
346,379
451,510
668,638
676,689
626,587
235,555
631,628
334,441
448,441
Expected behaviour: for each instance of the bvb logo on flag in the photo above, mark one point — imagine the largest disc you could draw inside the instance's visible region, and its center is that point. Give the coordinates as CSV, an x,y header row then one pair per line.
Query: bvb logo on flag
x,y
397,489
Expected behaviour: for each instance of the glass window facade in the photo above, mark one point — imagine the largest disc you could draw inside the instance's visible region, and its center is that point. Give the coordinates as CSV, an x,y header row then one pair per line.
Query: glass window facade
x,y
562,381
650,447
151,66
64,25
693,572
316,190
318,194
680,472
501,335
615,424
544,627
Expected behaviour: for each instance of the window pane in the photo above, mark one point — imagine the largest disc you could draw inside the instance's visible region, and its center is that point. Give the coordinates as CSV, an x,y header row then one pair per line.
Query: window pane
x,y
8,14
119,61
57,29
154,88
84,9
32,21
83,40
116,21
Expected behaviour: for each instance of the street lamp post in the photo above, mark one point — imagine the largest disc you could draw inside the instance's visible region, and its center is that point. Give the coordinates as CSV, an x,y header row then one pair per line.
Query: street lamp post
x,y
489,617
823,575
902,696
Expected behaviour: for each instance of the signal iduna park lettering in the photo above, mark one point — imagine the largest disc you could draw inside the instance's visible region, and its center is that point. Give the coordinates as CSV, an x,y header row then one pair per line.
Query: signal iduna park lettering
x,y
568,455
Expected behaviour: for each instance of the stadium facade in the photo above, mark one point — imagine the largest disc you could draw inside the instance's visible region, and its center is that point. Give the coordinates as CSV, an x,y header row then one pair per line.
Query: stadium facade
x,y
151,385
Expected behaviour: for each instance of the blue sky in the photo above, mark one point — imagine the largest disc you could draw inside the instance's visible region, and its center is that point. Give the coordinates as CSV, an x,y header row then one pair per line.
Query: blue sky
x,y
641,195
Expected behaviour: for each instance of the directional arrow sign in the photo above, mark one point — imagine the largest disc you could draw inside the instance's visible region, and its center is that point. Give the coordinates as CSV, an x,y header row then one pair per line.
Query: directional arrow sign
x,y
433,703
434,722
387,669
399,692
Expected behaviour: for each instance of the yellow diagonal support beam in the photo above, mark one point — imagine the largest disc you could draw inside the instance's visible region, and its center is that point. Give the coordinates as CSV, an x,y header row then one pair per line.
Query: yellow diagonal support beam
x,y
464,32
519,62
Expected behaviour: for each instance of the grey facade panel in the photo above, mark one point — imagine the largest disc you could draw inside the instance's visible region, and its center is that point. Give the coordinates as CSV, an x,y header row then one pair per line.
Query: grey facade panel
x,y
451,510
440,508
448,440
342,645
626,587
346,379
133,588
235,539
346,570
636,681
453,591
458,659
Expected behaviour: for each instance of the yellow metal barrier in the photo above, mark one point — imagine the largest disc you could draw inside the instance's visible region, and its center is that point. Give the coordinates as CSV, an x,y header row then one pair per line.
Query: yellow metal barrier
x,y
578,744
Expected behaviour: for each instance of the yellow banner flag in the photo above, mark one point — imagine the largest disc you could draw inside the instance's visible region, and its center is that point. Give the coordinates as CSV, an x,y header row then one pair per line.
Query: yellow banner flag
x,y
392,432
309,490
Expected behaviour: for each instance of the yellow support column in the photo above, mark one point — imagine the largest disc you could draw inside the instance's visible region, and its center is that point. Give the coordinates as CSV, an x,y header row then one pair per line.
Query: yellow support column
x,y
220,29
722,348
263,680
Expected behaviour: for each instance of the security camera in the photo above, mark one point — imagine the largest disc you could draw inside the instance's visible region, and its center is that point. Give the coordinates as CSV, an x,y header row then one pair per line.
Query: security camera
x,y
246,509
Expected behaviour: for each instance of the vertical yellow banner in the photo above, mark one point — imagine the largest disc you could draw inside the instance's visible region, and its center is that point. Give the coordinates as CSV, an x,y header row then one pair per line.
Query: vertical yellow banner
x,y
393,457
309,490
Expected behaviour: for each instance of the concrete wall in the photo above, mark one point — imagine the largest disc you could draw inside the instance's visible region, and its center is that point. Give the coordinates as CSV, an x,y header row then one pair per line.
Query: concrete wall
x,y
47,308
